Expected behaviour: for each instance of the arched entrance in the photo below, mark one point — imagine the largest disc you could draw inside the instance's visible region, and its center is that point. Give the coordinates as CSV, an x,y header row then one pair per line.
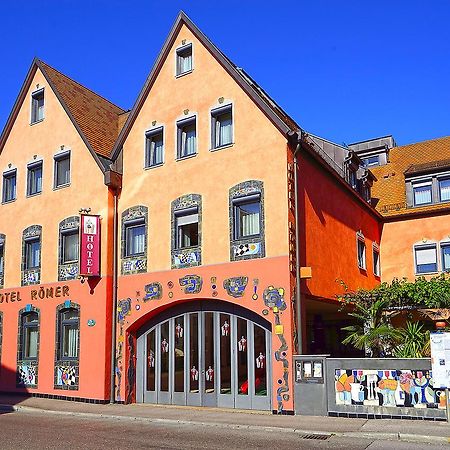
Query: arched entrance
x,y
205,353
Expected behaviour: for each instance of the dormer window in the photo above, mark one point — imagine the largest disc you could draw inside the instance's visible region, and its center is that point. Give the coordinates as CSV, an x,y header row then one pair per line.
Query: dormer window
x,y
184,59
444,189
422,193
37,106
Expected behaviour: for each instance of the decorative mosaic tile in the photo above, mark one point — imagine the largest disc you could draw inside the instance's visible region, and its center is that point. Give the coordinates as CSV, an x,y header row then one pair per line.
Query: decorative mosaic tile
x,y
235,286
192,284
153,291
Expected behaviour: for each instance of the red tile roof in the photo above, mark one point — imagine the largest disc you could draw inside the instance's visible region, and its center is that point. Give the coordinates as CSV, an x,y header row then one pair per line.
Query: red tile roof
x,y
98,119
390,189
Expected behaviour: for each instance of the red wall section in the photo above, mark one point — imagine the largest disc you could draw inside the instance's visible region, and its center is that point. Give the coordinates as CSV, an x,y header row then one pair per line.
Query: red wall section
x,y
94,354
267,272
329,218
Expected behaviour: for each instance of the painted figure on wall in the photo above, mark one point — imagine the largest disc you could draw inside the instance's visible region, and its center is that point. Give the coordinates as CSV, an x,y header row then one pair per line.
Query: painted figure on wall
x,y
225,328
389,388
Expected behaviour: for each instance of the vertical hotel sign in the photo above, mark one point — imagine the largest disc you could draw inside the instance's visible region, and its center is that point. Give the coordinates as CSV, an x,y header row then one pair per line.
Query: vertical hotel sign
x,y
90,245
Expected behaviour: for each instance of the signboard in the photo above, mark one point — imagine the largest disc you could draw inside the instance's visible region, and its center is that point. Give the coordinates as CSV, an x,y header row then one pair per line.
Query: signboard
x,y
90,245
440,359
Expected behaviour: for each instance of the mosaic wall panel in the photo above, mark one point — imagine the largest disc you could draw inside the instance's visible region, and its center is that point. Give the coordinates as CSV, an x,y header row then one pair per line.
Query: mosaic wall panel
x,y
27,369
67,271
66,372
253,246
2,269
388,388
31,276
133,264
191,256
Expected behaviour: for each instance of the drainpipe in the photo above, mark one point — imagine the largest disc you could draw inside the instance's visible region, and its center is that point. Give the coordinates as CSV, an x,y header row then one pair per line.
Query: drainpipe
x,y
298,307
114,303
114,181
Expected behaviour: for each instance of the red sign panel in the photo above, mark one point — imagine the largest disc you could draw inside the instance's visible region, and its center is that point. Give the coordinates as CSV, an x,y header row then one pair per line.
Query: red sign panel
x,y
90,246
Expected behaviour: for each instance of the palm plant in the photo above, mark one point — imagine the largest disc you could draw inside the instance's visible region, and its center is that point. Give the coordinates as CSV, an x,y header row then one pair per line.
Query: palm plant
x,y
373,331
415,341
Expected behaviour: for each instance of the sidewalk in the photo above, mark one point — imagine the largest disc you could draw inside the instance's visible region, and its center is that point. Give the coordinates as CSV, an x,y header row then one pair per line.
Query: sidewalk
x,y
391,429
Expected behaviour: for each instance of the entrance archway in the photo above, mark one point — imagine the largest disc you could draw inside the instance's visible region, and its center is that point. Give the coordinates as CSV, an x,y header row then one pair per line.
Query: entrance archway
x,y
205,353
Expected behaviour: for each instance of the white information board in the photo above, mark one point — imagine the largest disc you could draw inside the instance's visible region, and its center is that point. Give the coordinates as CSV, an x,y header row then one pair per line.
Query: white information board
x,y
440,359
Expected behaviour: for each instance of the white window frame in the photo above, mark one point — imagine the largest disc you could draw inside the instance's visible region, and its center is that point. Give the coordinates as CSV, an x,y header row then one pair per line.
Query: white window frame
x,y
64,234
186,217
425,246
376,267
360,240
29,242
422,183
442,245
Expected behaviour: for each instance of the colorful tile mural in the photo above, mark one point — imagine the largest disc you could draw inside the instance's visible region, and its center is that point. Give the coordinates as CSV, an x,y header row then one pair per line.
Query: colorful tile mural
x,y
389,388
235,286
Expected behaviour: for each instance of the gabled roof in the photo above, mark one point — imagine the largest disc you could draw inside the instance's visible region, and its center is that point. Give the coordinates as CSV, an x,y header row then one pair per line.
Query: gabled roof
x,y
413,159
273,111
96,119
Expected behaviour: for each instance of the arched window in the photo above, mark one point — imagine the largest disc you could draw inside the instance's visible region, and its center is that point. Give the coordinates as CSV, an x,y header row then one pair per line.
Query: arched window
x,y
31,255
68,248
186,236
247,220
134,240
67,346
28,347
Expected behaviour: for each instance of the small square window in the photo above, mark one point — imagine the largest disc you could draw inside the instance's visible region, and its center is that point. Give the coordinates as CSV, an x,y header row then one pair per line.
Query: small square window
x,y
34,178
187,138
221,127
62,170
247,216
32,253
444,189
154,148
37,106
9,186
186,223
361,244
422,193
376,261
445,250
184,59
70,246
135,238
426,259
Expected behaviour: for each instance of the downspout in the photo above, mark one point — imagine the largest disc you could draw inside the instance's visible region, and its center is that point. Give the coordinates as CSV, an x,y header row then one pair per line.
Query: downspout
x,y
114,302
298,307
114,181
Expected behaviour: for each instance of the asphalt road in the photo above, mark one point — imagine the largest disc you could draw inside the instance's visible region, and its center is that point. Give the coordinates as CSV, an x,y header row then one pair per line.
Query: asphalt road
x,y
27,430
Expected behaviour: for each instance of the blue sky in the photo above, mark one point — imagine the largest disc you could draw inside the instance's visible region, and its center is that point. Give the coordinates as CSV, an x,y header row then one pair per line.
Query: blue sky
x,y
346,70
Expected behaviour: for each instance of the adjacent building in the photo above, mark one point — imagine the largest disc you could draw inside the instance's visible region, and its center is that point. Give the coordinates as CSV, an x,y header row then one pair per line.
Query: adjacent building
x,y
225,232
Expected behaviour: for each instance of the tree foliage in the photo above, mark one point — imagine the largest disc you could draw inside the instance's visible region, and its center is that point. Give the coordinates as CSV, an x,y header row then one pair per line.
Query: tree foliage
x,y
373,330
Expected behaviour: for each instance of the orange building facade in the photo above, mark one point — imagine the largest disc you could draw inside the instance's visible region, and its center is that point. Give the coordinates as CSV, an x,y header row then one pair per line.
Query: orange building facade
x,y
226,234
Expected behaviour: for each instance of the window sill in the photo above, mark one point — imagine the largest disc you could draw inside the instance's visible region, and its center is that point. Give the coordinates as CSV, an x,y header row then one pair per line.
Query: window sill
x,y
154,166
222,147
135,255
9,201
61,186
426,273
34,195
37,121
179,75
182,158
192,247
